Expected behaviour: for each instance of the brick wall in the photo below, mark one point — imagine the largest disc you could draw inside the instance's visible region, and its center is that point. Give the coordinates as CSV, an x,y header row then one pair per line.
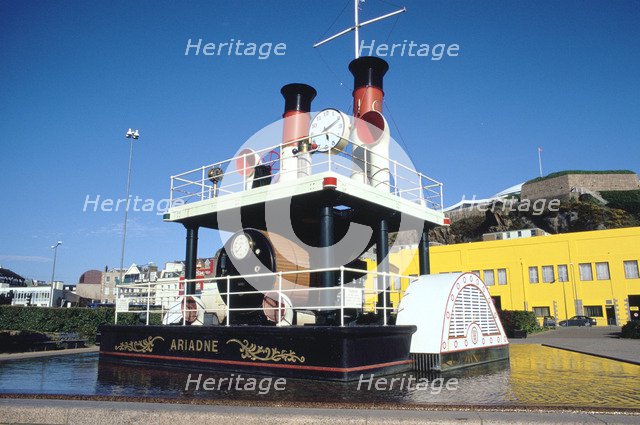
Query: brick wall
x,y
560,187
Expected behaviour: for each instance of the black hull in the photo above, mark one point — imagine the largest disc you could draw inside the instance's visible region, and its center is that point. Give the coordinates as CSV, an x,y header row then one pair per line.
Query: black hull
x,y
308,352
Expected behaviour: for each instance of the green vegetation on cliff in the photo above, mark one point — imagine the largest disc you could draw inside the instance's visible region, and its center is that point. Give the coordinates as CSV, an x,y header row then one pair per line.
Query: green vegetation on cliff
x,y
623,210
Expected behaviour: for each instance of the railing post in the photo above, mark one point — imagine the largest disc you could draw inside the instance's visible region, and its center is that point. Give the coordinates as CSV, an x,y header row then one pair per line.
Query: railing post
x,y
421,189
148,299
244,172
342,296
395,177
184,303
384,298
228,311
366,167
117,294
279,297
441,198
202,184
171,193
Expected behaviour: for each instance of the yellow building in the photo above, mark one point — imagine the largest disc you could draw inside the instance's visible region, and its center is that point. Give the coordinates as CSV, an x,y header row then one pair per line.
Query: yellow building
x,y
592,273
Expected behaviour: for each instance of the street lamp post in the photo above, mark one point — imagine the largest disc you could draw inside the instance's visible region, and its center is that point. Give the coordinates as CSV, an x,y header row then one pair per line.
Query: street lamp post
x,y
131,135
53,272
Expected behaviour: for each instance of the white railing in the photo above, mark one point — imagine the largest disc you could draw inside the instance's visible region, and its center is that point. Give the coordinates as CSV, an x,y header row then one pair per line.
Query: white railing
x,y
404,181
147,299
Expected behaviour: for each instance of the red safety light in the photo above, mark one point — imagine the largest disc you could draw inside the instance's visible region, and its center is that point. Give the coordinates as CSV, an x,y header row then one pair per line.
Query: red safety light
x,y
330,183
447,221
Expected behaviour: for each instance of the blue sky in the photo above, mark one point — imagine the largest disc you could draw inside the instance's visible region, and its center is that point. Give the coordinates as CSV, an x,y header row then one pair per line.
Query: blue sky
x,y
74,76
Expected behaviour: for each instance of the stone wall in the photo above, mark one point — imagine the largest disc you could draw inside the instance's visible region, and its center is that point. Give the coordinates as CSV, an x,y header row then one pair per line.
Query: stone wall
x,y
89,291
567,186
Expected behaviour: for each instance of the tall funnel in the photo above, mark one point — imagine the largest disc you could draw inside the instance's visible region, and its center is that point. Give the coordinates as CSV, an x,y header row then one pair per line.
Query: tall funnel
x,y
371,157
368,73
297,105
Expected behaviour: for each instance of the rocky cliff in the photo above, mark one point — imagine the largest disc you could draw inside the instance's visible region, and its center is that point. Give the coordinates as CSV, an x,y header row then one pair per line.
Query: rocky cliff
x,y
583,214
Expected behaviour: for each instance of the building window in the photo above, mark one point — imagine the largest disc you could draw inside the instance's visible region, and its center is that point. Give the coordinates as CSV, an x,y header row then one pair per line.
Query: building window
x,y
547,274
602,271
593,310
586,273
476,272
541,311
502,276
108,278
631,269
563,273
489,279
533,275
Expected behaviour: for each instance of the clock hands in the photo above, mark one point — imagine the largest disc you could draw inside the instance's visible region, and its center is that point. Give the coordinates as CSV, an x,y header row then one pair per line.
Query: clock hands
x,y
331,125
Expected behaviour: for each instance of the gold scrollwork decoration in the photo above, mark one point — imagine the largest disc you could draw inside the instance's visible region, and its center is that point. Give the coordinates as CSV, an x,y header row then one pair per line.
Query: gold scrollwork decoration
x,y
258,352
140,346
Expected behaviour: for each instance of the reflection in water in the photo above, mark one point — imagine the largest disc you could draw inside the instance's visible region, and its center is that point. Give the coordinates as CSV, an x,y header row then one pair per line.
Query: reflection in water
x,y
534,375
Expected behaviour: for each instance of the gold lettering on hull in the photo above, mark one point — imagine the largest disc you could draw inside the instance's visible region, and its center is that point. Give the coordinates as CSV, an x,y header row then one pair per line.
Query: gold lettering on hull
x,y
194,345
258,352
140,346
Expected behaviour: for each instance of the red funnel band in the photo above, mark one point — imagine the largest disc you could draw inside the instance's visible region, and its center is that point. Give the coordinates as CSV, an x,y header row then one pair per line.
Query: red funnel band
x,y
296,126
367,99
297,105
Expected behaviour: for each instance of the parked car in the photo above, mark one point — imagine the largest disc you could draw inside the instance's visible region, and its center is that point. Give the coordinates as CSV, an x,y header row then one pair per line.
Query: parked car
x,y
579,321
98,305
549,322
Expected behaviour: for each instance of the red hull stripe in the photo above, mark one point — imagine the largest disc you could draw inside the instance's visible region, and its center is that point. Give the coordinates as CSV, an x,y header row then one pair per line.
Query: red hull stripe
x,y
281,366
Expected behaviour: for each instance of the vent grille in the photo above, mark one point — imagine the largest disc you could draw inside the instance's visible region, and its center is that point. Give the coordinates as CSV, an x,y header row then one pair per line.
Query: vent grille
x,y
426,362
471,306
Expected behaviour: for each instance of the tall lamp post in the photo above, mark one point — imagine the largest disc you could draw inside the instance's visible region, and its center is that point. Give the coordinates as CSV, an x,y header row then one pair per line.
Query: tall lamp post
x,y
53,272
131,135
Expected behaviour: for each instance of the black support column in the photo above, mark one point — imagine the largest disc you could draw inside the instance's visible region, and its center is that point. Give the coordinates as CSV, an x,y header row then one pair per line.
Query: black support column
x,y
326,239
191,258
327,278
423,253
382,257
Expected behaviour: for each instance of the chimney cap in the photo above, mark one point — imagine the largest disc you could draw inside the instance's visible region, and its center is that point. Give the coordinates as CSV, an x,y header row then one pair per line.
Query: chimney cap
x,y
368,71
298,97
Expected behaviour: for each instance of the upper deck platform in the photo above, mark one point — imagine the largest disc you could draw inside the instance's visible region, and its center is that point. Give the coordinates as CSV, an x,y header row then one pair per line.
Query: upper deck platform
x,y
254,179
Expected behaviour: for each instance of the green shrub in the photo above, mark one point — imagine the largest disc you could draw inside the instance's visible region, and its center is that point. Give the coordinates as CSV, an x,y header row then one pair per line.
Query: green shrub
x,y
628,200
631,330
84,321
519,320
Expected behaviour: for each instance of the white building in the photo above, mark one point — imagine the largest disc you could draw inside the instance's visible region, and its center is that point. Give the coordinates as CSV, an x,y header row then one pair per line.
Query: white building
x,y
38,296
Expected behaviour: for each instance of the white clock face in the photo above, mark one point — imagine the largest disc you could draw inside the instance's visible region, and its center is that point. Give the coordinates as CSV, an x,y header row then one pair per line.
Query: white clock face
x,y
329,129
240,246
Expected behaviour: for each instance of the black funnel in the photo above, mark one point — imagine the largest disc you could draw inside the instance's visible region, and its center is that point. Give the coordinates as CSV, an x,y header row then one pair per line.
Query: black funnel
x,y
368,71
298,97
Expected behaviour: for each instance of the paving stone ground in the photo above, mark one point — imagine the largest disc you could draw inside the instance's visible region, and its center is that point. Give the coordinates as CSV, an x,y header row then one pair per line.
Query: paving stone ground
x,y
29,411
599,341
